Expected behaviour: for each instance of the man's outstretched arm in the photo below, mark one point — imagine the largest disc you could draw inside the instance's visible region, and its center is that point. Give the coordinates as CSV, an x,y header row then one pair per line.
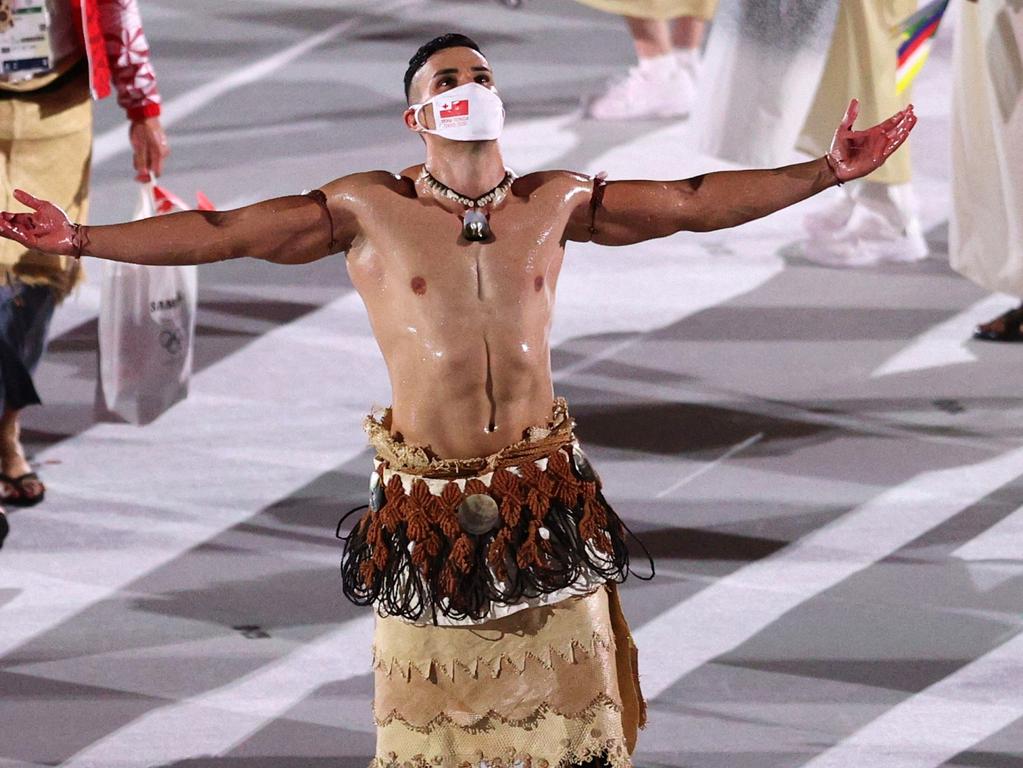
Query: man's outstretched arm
x,y
629,212
289,230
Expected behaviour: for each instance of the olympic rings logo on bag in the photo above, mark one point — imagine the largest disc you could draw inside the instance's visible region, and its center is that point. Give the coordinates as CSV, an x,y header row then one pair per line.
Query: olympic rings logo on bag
x,y
171,341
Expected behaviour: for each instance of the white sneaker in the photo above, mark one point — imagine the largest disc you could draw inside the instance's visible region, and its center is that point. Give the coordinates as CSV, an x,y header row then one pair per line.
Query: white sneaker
x,y
827,221
882,226
689,59
868,238
645,94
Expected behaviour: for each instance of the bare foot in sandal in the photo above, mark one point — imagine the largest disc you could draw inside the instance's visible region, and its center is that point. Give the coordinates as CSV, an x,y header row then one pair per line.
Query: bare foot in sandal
x,y
19,485
1005,327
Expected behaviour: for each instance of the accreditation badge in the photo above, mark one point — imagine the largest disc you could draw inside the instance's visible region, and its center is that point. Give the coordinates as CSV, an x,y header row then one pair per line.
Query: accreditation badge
x,y
25,48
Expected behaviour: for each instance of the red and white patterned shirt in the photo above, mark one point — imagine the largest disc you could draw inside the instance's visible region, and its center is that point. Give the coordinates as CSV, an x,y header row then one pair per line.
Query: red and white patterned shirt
x,y
118,52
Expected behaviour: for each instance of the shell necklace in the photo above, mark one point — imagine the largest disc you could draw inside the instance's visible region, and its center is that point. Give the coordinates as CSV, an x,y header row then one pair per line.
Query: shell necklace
x,y
475,222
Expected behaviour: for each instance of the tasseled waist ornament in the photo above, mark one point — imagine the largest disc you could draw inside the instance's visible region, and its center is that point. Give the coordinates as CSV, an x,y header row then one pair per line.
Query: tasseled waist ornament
x,y
469,540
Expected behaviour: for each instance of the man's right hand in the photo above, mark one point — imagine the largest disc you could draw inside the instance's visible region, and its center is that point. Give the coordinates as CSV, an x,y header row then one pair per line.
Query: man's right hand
x,y
46,229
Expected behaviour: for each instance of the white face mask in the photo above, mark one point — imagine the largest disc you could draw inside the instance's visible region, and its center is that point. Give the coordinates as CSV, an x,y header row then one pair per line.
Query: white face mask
x,y
470,112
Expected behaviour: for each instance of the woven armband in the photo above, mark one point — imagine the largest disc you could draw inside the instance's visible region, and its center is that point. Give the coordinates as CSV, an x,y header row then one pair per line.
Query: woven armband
x,y
318,196
596,199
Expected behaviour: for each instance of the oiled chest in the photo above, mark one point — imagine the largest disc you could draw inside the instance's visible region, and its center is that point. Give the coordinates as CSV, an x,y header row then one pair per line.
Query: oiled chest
x,y
419,252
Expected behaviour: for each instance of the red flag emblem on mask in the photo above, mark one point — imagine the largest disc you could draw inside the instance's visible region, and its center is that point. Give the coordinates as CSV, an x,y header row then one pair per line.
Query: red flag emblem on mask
x,y
455,108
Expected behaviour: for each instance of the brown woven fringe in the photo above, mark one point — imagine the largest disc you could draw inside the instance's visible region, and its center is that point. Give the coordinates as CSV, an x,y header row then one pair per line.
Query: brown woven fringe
x,y
538,441
412,558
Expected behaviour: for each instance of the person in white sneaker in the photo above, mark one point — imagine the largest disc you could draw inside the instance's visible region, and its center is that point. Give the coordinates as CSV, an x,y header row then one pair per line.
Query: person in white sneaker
x,y
871,223
875,220
667,35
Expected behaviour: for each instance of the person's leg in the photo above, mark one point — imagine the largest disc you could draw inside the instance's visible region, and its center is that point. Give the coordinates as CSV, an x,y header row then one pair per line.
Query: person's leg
x,y
6,140
26,489
875,219
667,35
655,87
652,41
12,452
47,148
687,32
651,37
680,38
28,315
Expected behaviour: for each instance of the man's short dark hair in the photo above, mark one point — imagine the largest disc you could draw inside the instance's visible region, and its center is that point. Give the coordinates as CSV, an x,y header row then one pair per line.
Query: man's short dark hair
x,y
447,40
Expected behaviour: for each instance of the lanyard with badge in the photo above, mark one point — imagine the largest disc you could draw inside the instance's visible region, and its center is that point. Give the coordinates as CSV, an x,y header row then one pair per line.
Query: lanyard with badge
x,y
25,48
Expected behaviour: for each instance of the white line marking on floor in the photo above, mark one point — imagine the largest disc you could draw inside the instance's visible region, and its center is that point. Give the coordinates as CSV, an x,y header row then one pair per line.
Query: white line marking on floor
x,y
1003,541
5,763
747,403
945,343
930,728
215,721
80,307
587,307
737,448
226,401
115,140
588,362
727,614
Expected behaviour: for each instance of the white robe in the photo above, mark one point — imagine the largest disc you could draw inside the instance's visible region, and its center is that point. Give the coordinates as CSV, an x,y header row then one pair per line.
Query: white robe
x,y
986,226
763,61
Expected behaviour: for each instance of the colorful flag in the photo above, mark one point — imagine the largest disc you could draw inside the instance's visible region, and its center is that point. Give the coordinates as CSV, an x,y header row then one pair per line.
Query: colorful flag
x,y
915,36
454,109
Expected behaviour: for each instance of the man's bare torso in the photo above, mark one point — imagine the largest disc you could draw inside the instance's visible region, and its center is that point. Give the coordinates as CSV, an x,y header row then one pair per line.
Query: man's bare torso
x,y
463,326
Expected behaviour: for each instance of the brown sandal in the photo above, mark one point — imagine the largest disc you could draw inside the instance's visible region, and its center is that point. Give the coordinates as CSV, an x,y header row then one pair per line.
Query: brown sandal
x,y
17,491
1005,327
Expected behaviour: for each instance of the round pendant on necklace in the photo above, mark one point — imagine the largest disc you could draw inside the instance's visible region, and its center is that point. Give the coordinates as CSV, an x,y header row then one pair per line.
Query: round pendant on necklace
x,y
475,226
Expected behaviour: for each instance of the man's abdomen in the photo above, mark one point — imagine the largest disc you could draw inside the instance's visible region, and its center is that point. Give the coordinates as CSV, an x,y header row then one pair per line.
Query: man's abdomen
x,y
472,397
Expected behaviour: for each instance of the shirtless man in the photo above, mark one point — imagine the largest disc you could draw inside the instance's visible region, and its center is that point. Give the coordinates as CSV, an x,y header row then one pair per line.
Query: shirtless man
x,y
488,550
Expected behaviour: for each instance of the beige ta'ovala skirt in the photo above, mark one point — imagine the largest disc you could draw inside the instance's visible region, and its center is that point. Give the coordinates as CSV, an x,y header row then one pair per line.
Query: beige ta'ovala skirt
x,y
517,654
545,687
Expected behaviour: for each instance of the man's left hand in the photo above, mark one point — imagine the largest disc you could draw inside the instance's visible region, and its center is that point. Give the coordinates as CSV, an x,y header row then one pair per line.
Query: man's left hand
x,y
856,153
149,144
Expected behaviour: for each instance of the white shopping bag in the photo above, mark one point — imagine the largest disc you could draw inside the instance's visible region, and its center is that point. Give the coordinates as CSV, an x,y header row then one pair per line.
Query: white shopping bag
x,y
146,331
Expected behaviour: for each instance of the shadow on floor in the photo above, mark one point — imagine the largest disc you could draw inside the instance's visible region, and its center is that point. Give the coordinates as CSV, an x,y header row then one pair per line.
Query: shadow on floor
x,y
689,428
980,759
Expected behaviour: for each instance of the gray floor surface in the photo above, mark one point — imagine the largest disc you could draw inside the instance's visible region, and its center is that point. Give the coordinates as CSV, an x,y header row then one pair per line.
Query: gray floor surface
x,y
829,473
